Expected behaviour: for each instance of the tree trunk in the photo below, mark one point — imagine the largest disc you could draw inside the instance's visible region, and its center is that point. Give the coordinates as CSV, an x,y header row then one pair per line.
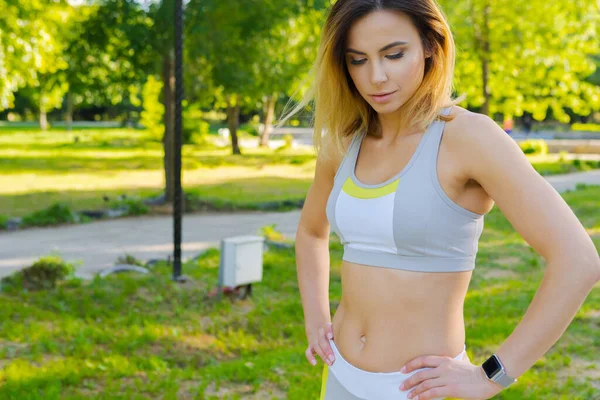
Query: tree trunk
x,y
482,38
485,109
43,115
268,123
233,121
69,112
168,72
485,64
43,120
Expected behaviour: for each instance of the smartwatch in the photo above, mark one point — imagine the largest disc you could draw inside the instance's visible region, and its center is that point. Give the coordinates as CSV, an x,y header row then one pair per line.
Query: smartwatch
x,y
494,369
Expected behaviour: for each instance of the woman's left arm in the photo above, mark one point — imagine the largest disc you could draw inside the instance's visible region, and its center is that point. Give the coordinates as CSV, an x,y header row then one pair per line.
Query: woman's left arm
x,y
547,223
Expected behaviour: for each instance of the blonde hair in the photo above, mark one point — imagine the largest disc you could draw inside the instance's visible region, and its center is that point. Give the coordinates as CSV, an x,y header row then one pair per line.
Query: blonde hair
x,y
340,110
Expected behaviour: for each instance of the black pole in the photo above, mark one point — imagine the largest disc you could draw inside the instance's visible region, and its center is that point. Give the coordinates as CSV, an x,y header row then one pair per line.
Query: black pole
x,y
178,99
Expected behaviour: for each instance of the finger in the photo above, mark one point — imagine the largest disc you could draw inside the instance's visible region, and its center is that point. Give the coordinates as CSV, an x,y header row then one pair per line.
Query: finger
x,y
424,387
419,377
309,356
329,331
317,348
423,362
436,392
325,347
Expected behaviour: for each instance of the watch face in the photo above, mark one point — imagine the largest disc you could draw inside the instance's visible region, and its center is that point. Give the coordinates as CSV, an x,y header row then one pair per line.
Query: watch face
x,y
491,366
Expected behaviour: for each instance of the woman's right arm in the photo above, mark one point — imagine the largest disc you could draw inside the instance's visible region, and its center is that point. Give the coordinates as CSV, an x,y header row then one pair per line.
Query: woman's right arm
x,y
312,261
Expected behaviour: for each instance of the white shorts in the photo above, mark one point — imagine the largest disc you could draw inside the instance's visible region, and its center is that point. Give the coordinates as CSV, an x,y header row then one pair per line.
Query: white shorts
x,y
344,381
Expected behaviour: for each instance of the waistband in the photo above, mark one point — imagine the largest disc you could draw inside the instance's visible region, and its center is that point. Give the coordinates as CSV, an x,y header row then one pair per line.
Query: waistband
x,y
411,263
338,356
372,385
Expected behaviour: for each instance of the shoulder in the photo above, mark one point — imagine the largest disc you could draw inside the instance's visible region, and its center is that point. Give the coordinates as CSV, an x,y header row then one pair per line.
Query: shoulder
x,y
471,133
469,127
331,154
487,152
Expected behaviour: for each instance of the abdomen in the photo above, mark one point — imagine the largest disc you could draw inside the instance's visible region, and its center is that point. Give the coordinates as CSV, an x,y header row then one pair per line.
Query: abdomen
x,y
388,316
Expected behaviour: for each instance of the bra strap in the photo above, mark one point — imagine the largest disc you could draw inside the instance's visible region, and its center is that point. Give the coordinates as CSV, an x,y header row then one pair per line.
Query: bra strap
x,y
432,145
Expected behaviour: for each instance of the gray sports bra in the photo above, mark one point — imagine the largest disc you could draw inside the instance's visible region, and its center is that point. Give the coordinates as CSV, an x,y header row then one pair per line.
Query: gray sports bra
x,y
407,222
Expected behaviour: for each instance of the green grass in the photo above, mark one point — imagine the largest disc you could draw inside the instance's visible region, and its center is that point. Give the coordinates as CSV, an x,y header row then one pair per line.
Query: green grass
x,y
555,166
141,337
38,169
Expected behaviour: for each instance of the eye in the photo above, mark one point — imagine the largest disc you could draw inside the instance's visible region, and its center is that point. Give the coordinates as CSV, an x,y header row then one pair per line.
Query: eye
x,y
358,62
391,56
396,56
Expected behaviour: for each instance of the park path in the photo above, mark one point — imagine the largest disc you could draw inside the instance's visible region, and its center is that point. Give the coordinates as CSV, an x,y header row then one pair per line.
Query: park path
x,y
99,244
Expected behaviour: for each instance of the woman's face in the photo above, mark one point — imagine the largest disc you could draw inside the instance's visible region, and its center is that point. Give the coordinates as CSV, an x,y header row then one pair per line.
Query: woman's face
x,y
384,55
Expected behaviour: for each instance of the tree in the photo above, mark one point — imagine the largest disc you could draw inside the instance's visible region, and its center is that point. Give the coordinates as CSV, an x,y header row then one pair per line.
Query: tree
x,y
136,43
512,57
48,90
29,45
237,37
288,52
162,40
108,54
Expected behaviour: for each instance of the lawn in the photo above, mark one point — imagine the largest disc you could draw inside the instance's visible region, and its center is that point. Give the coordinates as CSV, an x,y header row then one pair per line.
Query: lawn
x,y
145,337
38,169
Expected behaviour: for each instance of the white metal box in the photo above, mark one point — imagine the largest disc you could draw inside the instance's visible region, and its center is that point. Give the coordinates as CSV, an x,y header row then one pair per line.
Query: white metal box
x,y
241,260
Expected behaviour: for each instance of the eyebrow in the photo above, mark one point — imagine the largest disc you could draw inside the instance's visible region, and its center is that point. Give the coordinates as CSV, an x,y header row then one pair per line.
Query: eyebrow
x,y
384,48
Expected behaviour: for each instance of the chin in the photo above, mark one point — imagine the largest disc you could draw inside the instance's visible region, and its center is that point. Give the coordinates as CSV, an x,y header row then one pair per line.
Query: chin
x,y
386,108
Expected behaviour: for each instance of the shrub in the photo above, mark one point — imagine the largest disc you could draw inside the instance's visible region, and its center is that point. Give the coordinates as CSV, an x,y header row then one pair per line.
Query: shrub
x,y
586,127
134,206
269,232
253,126
562,156
289,139
152,115
45,273
197,134
129,260
195,129
55,214
3,221
534,146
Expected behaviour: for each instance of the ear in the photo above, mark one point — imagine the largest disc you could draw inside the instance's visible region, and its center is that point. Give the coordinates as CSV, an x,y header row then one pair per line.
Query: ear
x,y
425,49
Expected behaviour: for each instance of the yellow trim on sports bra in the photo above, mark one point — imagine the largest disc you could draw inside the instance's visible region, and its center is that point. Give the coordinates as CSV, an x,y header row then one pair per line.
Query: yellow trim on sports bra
x,y
353,190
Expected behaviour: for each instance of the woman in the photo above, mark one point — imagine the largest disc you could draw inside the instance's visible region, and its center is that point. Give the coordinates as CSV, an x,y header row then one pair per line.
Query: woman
x,y
409,208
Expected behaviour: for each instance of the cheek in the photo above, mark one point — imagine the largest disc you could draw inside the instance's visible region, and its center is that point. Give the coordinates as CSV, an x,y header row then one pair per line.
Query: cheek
x,y
410,70
360,78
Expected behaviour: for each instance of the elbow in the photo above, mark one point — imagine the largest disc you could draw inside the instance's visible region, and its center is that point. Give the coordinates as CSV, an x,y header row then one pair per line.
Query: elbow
x,y
307,233
594,267
585,264
597,269
309,242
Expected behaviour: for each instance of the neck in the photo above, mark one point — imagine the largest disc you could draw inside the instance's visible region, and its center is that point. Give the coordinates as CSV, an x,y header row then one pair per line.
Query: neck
x,y
392,126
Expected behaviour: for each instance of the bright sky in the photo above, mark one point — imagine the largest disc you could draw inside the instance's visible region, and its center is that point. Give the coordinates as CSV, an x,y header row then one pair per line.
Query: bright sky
x,y
80,2
143,2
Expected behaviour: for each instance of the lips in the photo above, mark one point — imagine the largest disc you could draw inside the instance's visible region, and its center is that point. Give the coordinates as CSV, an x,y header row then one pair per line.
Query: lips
x,y
382,94
382,98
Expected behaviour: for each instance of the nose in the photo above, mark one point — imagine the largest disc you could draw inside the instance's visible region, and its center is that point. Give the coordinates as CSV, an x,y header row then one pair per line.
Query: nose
x,y
378,74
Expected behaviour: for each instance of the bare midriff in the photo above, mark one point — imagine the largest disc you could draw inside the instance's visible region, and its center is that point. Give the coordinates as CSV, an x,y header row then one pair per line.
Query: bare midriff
x,y
387,317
